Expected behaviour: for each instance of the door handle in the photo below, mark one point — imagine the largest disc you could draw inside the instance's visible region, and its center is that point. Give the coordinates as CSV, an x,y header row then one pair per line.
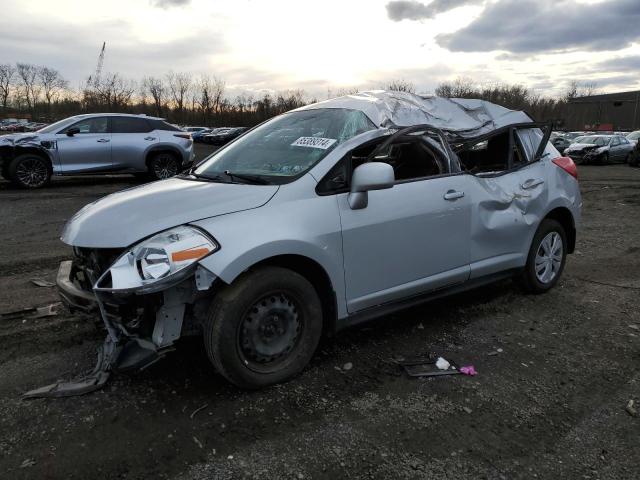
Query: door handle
x,y
149,138
102,140
532,183
453,195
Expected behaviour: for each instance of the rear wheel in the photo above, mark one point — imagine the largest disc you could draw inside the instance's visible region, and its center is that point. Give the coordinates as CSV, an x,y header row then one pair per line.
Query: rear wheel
x,y
264,328
163,165
29,171
546,259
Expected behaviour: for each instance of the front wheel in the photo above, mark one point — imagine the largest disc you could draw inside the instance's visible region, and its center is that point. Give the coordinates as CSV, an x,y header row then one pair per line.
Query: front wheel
x,y
264,328
29,171
546,259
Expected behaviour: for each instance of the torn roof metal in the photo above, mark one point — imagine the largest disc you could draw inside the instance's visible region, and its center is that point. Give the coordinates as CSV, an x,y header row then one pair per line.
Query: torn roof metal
x,y
462,117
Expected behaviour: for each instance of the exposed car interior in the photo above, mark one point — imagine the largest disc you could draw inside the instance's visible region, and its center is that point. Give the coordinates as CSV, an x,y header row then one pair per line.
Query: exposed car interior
x,y
491,156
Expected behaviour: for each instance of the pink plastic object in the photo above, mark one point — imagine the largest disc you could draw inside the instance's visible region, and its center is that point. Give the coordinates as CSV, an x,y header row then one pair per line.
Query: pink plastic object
x,y
468,370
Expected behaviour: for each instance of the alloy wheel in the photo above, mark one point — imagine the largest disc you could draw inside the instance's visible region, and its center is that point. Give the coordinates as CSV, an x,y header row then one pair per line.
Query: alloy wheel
x,y
32,172
165,166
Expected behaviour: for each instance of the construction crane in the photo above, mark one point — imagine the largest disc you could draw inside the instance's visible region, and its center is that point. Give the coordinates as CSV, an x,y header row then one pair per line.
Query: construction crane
x,y
94,80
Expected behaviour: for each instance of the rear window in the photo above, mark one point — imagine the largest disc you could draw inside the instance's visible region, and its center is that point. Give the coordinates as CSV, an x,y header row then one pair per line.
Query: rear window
x,y
130,125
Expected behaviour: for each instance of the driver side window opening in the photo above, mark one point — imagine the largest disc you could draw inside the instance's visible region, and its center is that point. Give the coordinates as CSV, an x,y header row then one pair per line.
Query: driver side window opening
x,y
414,156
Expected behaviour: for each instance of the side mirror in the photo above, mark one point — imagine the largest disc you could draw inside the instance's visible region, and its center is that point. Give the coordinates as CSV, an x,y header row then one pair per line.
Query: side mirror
x,y
73,131
369,176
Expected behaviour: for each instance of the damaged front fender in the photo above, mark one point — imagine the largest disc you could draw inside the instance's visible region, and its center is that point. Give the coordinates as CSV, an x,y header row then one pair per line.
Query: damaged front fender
x,y
12,146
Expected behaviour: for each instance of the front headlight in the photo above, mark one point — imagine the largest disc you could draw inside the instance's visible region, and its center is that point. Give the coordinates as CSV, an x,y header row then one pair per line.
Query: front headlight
x,y
163,258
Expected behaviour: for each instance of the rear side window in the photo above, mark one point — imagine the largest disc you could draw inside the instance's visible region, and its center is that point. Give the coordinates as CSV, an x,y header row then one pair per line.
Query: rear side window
x,y
162,125
130,125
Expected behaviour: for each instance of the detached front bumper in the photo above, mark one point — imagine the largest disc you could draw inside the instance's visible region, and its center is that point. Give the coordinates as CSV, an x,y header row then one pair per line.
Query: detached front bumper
x,y
73,296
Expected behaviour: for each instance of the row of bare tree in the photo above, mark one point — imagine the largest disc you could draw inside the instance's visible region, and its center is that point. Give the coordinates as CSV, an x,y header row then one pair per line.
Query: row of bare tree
x,y
184,98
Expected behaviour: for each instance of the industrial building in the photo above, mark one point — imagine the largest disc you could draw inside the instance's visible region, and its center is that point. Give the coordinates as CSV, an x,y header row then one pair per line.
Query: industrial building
x,y
611,111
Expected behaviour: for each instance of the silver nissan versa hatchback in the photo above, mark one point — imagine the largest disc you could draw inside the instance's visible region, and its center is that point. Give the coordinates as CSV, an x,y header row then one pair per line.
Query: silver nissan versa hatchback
x,y
316,220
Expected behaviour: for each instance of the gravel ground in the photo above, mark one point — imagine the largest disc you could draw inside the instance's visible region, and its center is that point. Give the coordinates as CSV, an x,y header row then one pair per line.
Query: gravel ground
x,y
551,403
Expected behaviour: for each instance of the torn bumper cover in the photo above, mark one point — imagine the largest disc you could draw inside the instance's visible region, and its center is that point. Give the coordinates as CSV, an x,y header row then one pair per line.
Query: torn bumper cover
x,y
141,326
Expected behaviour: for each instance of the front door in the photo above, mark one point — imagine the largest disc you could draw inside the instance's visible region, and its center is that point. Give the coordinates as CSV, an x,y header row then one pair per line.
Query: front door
x,y
411,238
86,151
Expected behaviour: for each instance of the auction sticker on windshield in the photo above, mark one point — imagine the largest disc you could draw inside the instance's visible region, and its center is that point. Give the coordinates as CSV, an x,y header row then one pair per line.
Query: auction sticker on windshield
x,y
314,142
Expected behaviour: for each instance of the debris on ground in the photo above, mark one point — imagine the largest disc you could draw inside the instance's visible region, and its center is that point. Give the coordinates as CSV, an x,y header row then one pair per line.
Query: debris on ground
x,y
467,410
631,409
468,370
428,366
198,442
48,311
39,282
347,366
195,412
442,364
32,312
28,463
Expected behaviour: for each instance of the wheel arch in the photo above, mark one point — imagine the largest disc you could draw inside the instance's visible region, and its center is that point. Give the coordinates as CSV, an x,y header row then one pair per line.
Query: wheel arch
x,y
317,276
309,268
155,149
565,218
10,153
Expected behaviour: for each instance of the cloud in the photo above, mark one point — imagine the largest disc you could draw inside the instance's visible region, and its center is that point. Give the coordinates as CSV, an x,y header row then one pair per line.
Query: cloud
x,y
532,26
73,48
170,3
620,64
413,10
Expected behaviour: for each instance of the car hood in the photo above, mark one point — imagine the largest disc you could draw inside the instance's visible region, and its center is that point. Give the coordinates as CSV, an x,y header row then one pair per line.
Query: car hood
x,y
122,219
574,147
20,138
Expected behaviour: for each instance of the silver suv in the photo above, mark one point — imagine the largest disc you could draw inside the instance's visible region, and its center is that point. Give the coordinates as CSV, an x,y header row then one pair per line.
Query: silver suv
x,y
316,220
96,143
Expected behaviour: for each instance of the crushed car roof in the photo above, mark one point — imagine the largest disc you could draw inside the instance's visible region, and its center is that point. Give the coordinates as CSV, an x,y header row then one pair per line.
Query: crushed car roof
x,y
463,117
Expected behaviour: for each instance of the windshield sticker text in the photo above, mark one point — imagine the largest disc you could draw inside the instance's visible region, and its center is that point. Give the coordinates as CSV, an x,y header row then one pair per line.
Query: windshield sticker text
x,y
314,142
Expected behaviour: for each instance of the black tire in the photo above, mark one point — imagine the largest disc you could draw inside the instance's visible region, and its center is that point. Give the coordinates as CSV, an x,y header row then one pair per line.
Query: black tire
x,y
279,306
529,278
603,159
163,165
29,171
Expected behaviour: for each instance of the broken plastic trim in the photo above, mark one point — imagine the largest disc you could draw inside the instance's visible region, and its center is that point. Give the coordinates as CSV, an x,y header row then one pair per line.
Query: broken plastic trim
x,y
107,356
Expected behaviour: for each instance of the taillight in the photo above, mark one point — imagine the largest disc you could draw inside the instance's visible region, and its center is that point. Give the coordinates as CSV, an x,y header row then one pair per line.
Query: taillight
x,y
567,165
186,136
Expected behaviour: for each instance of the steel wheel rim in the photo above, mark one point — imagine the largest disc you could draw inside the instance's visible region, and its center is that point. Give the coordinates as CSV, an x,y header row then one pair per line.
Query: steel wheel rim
x,y
165,166
549,257
269,331
32,172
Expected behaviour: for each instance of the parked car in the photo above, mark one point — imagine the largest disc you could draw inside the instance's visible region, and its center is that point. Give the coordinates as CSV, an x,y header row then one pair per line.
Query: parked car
x,y
223,136
561,142
600,149
633,137
96,143
316,220
197,136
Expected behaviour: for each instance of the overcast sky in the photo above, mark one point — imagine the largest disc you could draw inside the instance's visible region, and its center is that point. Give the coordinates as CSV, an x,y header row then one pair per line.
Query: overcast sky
x,y
317,44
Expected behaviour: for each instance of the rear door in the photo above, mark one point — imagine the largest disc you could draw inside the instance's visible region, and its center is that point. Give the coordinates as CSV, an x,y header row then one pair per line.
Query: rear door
x,y
507,205
86,151
131,139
